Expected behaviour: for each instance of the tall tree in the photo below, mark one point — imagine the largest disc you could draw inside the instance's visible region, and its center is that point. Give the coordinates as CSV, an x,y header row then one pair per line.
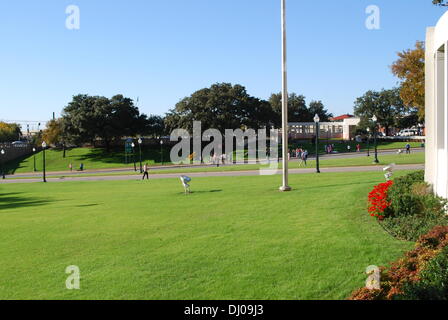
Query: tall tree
x,y
386,105
317,107
88,118
9,132
297,109
222,106
52,135
410,69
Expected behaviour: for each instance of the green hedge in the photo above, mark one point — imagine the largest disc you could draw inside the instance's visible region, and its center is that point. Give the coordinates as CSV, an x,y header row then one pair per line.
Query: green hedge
x,y
414,208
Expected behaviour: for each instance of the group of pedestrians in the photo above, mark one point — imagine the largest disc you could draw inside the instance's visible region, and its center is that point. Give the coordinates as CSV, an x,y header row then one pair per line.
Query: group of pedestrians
x,y
81,167
300,154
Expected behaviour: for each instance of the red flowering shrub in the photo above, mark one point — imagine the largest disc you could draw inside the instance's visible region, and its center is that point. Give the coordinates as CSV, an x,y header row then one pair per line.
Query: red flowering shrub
x,y
378,201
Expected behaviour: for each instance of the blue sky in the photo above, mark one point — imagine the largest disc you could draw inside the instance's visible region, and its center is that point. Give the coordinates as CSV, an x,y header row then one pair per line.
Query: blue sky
x,y
162,51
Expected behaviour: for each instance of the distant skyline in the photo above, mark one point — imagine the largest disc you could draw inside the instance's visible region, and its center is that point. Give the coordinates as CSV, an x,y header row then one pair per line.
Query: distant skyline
x,y
162,51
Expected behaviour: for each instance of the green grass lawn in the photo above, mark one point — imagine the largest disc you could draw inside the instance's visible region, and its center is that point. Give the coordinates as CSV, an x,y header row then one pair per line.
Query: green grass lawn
x,y
416,158
233,238
55,162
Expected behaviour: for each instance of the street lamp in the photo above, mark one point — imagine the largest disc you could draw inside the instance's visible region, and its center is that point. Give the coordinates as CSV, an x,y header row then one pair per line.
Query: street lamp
x,y
368,142
133,156
285,187
161,151
34,156
140,141
44,146
375,134
3,171
317,121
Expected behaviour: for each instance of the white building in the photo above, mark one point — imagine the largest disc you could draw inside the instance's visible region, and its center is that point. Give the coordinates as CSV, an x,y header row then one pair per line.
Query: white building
x,y
344,129
437,106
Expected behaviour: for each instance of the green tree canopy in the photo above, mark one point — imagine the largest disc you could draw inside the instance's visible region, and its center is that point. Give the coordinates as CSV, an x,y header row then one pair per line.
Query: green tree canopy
x,y
222,106
9,132
386,105
87,118
298,111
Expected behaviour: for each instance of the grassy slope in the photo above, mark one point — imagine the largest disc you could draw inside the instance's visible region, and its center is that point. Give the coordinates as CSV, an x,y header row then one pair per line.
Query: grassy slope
x,y
96,159
233,238
91,158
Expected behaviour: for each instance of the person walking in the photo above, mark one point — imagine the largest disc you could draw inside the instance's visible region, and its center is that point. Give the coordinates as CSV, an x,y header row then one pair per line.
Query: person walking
x,y
81,167
408,148
70,166
145,172
305,157
358,148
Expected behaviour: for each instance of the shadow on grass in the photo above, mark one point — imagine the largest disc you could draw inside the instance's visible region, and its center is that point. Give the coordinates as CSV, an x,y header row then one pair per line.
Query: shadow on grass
x,y
87,205
14,201
117,156
12,166
201,192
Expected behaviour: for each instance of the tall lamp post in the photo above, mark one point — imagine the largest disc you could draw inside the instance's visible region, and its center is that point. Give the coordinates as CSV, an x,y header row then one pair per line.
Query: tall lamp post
x,y
317,121
44,146
368,142
161,151
285,187
133,156
34,159
375,131
140,141
2,169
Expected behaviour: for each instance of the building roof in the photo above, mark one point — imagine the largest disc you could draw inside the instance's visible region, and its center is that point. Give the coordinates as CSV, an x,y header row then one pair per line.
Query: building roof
x,y
342,118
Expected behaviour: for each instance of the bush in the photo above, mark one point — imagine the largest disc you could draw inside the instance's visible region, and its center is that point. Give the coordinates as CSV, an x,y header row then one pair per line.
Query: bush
x,y
410,228
407,207
403,200
433,284
422,273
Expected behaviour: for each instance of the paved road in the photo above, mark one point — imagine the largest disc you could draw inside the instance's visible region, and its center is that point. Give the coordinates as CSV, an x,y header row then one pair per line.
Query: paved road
x,y
215,174
38,175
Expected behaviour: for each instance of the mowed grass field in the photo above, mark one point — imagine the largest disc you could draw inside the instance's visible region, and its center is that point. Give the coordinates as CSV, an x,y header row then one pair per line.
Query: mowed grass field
x,y
232,238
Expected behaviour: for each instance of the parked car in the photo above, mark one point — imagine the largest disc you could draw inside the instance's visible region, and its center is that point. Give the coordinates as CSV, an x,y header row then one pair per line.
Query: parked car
x,y
408,133
19,143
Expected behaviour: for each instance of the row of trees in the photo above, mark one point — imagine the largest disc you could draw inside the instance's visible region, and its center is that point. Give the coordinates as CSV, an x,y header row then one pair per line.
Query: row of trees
x,y
226,106
88,118
222,106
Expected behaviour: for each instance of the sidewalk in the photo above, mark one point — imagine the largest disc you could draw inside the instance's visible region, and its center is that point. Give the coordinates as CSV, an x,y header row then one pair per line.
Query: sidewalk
x,y
217,174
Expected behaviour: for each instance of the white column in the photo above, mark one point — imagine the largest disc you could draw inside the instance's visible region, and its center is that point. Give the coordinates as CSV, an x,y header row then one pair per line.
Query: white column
x,y
440,125
445,133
